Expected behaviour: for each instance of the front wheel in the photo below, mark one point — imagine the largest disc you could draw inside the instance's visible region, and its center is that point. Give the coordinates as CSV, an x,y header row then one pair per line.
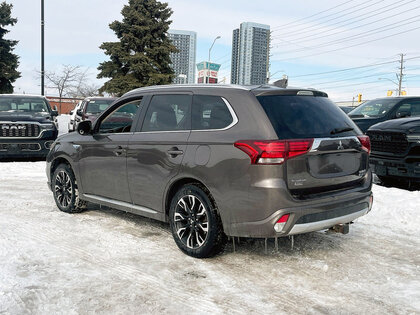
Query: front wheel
x,y
195,223
65,190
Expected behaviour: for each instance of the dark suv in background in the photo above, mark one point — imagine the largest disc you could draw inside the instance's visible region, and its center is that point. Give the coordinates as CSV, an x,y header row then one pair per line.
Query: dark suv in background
x,y
89,109
382,109
27,126
254,161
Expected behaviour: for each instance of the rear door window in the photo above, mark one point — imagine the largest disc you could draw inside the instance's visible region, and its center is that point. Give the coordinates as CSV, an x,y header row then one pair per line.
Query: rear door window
x,y
168,112
297,117
210,112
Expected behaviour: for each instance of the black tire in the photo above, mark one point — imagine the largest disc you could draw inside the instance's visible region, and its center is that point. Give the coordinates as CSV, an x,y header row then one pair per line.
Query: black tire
x,y
64,187
193,209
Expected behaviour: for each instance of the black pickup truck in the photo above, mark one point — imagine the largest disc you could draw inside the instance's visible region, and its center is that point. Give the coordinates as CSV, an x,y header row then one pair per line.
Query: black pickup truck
x,y
27,126
395,146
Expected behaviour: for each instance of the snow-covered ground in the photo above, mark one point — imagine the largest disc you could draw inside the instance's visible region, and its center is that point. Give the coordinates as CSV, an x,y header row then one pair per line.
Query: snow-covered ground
x,y
108,261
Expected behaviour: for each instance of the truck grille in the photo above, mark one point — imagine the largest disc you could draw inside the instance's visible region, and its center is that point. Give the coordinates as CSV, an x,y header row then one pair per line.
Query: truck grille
x,y
19,130
390,142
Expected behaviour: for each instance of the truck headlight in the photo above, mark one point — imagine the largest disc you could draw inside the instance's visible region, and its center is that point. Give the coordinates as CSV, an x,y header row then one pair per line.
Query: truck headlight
x,y
50,126
415,137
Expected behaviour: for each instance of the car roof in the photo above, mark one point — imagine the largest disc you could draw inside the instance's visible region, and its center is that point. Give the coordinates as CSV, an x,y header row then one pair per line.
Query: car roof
x,y
264,89
23,95
97,98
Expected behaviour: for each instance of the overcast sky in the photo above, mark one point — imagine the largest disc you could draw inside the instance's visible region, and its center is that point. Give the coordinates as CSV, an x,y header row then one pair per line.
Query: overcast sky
x,y
308,37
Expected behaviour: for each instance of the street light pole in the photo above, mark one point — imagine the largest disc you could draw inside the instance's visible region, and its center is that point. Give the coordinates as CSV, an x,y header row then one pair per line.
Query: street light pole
x,y
42,48
208,70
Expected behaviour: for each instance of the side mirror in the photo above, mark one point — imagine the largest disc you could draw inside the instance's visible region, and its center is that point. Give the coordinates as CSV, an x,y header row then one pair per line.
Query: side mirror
x,y
54,113
84,127
403,114
79,113
71,112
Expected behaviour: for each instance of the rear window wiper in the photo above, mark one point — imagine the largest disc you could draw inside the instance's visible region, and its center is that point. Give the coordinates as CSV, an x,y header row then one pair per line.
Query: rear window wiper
x,y
340,130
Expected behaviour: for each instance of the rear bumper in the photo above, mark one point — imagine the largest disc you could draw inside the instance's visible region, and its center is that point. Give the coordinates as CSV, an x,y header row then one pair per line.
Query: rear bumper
x,y
308,219
397,168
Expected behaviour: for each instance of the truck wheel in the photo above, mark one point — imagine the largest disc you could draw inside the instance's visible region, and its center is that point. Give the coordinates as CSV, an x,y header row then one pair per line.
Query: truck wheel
x,y
66,194
195,223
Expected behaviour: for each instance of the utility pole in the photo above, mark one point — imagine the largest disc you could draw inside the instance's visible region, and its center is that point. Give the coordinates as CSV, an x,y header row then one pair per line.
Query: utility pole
x,y
400,77
42,48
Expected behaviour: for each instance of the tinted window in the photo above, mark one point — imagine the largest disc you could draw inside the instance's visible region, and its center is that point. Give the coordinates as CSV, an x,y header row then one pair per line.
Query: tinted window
x,y
295,117
168,113
121,119
210,112
97,106
411,108
23,104
374,108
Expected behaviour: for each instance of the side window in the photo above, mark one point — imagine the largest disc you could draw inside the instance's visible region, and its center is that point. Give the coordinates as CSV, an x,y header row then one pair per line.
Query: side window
x,y
404,110
168,113
121,119
210,112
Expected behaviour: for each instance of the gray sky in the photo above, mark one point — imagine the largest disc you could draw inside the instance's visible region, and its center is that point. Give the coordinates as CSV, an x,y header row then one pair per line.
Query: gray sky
x,y
308,37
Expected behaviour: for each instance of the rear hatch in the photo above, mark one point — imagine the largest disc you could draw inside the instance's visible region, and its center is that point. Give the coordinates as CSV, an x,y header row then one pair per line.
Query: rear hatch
x,y
336,152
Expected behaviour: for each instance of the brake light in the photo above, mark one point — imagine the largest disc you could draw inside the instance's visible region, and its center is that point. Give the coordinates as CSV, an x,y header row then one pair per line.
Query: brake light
x,y
275,151
365,142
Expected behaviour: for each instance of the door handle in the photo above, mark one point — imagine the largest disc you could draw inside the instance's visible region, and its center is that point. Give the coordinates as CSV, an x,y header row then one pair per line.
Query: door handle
x,y
174,152
119,150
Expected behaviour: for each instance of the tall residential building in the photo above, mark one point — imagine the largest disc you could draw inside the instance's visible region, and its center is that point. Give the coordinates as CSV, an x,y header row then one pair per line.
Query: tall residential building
x,y
183,62
250,53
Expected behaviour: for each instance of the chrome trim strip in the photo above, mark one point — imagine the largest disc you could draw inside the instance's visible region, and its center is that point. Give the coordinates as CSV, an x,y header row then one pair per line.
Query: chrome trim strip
x,y
163,131
232,113
24,150
317,141
25,122
121,203
325,224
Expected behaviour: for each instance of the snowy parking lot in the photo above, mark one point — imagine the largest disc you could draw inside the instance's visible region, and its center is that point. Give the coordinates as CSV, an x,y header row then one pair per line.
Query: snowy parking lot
x,y
108,261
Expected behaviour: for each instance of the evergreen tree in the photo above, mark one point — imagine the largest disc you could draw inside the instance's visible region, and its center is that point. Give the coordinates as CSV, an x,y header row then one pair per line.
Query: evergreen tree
x,y
8,61
141,56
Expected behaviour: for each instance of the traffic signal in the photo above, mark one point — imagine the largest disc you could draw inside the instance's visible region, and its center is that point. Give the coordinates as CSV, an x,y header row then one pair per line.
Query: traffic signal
x,y
403,92
389,93
359,98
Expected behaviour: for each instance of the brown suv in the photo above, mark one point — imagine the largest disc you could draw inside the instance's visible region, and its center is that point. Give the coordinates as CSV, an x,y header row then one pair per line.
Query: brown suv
x,y
254,161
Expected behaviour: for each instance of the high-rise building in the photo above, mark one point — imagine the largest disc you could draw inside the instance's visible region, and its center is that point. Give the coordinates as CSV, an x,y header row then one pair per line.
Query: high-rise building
x,y
183,61
250,53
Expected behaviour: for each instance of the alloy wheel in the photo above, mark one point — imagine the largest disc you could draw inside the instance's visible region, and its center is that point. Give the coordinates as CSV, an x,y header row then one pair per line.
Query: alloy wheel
x,y
63,189
191,221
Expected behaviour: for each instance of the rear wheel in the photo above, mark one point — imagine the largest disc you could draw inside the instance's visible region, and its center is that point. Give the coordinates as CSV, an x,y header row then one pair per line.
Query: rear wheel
x,y
195,223
66,194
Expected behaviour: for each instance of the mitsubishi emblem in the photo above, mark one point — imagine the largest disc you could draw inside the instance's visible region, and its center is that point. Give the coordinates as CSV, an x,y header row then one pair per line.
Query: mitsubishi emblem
x,y
340,146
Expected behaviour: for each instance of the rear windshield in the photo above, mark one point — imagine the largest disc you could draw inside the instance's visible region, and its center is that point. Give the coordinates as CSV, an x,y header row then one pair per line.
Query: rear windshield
x,y
297,117
23,104
374,108
98,106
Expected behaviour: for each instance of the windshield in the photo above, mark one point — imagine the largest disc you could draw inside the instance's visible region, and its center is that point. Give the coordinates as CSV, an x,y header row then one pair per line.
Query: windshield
x,y
23,104
299,117
374,108
97,106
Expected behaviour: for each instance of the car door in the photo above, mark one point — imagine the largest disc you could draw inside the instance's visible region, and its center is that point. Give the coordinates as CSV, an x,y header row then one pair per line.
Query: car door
x,y
103,159
156,149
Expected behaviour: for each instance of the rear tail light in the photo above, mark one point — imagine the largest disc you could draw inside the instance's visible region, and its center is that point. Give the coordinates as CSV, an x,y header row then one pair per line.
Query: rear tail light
x,y
365,142
281,223
275,151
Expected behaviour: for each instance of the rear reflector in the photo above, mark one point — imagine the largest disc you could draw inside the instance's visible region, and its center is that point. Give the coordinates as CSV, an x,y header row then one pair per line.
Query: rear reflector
x,y
278,227
275,151
365,142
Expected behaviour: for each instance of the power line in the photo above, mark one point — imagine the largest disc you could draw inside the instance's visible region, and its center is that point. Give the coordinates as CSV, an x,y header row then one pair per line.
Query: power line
x,y
350,46
358,36
310,16
338,17
352,28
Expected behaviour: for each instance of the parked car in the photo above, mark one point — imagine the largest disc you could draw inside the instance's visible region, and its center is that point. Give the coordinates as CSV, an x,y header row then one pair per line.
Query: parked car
x,y
27,126
73,114
396,149
89,109
217,161
382,109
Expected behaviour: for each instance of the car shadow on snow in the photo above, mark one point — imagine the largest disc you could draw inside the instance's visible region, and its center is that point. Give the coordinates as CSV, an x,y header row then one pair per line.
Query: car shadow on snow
x,y
304,244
